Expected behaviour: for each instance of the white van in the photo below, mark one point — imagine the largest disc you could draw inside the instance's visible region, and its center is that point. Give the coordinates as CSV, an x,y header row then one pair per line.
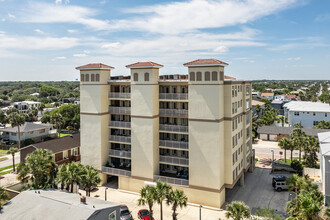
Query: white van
x,y
280,185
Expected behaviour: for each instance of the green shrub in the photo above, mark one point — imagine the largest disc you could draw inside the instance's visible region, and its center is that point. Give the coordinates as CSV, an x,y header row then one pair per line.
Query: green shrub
x,y
28,142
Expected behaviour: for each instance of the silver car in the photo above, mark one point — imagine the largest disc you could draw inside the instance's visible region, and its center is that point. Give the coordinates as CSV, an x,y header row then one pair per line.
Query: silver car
x,y
125,214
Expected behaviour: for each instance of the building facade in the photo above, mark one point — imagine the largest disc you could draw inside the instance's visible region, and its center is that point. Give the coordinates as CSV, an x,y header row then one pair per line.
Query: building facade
x,y
192,131
324,139
24,106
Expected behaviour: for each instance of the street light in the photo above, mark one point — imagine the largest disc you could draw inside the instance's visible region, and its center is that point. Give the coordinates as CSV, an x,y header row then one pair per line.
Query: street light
x,y
105,193
200,212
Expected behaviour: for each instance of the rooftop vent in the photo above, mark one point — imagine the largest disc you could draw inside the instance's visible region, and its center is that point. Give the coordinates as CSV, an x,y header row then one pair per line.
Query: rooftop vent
x,y
83,199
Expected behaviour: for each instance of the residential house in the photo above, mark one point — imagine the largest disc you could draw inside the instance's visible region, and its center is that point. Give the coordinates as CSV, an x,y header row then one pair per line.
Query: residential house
x,y
254,103
267,95
24,106
324,140
65,149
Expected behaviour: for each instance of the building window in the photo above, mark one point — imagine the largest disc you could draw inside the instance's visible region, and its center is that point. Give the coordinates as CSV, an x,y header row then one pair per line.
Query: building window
x,y
214,76
87,78
315,123
92,77
247,119
247,90
247,133
233,91
247,104
233,125
296,113
221,75
136,77
199,76
233,159
192,76
97,78
326,114
146,76
207,76
313,113
233,108
82,77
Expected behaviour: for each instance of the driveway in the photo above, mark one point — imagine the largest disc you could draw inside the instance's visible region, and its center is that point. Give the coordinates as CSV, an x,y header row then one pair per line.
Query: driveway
x,y
258,192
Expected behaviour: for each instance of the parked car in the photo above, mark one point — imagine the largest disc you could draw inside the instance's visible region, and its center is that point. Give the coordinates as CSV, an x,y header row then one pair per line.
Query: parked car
x,y
69,128
144,214
125,214
278,178
280,185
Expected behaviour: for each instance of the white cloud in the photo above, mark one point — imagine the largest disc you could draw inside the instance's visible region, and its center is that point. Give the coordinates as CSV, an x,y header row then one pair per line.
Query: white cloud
x,y
221,49
60,58
80,55
111,45
3,19
72,31
11,15
61,1
294,58
39,31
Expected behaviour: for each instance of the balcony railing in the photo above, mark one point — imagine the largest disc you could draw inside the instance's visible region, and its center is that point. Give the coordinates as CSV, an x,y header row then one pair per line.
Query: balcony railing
x,y
173,96
171,180
174,160
117,138
120,153
120,124
116,171
120,110
174,144
173,112
173,128
120,95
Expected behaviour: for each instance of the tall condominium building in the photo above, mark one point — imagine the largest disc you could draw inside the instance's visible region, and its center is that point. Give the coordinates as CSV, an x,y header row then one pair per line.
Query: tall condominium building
x,y
192,131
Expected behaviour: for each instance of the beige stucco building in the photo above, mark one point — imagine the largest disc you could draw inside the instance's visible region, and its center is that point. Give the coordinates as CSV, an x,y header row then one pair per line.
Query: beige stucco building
x,y
192,131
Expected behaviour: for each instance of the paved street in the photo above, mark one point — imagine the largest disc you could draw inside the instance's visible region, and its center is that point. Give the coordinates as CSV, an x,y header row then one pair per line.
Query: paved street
x,y
9,161
264,149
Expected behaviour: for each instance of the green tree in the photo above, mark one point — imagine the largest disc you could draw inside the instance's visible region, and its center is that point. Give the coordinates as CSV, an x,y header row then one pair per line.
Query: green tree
x,y
299,138
285,144
16,120
58,121
69,174
268,214
237,210
281,119
322,125
311,152
176,198
148,197
89,178
38,171
257,109
41,107
162,190
3,117
3,196
13,151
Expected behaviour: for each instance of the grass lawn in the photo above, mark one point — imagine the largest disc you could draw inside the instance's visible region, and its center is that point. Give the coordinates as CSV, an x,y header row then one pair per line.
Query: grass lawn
x,y
63,135
3,159
8,167
256,160
288,160
3,153
6,172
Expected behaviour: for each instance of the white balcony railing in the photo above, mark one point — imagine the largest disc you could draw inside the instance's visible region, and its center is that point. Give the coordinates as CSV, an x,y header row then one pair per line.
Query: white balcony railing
x,y
170,180
173,128
173,112
120,124
120,110
120,95
174,160
174,144
173,96
120,153
118,138
116,171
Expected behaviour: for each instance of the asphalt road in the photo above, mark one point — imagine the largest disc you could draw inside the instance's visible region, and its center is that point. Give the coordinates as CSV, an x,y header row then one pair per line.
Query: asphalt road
x,y
9,161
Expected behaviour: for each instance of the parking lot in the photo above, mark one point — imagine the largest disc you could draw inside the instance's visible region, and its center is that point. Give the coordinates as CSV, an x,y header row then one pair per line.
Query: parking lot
x,y
258,192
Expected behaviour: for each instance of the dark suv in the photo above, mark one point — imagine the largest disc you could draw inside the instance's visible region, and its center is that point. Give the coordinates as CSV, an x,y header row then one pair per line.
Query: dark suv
x,y
278,179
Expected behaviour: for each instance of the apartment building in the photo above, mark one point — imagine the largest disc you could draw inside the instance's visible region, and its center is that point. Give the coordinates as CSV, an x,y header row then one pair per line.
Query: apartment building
x,y
192,131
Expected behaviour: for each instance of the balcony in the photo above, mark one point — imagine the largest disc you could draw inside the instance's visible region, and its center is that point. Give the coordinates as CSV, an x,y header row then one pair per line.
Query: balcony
x,y
173,128
119,95
174,144
118,138
171,180
173,96
174,160
173,112
116,171
120,153
120,124
120,110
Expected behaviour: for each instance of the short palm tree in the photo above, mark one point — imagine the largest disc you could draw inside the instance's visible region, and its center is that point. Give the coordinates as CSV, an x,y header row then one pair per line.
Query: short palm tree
x,y
57,120
285,144
3,117
89,178
162,190
73,172
281,119
148,197
176,198
237,210
299,138
16,120
41,108
62,176
12,151
3,196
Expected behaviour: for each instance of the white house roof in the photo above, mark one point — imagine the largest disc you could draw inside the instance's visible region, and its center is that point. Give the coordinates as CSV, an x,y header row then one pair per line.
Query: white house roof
x,y
302,106
324,139
28,126
26,103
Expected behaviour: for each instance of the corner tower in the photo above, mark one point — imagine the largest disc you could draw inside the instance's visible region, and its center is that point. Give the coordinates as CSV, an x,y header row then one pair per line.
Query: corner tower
x,y
94,114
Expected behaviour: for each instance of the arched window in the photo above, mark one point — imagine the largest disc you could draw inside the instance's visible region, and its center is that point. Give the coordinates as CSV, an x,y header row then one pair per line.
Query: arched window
x,y
207,76
146,76
192,76
87,77
199,76
92,77
82,77
214,76
97,78
222,75
136,77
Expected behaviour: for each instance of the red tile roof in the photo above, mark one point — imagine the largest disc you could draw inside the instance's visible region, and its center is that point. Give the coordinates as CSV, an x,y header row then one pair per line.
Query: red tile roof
x,y
94,66
203,62
144,64
229,77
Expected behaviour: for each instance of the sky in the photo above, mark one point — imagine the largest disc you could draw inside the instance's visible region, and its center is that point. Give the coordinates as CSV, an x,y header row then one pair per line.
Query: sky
x,y
260,39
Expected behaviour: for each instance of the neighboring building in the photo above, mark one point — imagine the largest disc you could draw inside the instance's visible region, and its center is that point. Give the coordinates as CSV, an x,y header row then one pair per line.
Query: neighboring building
x,y
35,94
282,98
55,204
76,102
268,96
324,140
193,132
24,106
65,149
256,94
262,107
306,113
274,133
278,105
30,130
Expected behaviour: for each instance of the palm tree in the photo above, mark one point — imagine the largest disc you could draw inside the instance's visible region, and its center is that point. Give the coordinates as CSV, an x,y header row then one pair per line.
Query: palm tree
x,y
57,120
12,151
281,119
311,150
257,109
148,197
73,174
285,144
16,120
90,178
327,212
41,108
3,196
3,117
178,199
62,176
237,210
162,190
299,138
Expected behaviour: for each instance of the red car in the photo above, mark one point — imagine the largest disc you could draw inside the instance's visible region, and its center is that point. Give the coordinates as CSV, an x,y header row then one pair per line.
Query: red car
x,y
144,214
